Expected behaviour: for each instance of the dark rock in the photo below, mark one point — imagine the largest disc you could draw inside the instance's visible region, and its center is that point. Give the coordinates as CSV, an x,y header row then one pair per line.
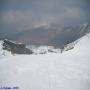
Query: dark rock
x,y
15,48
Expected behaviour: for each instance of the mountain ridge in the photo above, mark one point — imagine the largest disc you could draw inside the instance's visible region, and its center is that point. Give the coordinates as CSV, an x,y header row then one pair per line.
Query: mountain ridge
x,y
52,36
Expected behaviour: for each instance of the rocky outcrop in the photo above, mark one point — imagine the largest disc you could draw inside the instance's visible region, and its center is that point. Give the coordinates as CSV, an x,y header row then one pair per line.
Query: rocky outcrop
x,y
15,48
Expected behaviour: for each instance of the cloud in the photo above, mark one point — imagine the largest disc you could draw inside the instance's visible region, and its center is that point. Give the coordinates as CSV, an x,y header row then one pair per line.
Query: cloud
x,y
24,14
21,20
19,16
75,12
15,16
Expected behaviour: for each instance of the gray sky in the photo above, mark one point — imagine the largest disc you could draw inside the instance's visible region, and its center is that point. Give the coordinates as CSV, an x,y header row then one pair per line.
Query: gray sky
x,y
18,15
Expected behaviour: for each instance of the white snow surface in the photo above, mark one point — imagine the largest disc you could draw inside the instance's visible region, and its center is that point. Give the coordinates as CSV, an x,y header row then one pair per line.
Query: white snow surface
x,y
52,71
3,53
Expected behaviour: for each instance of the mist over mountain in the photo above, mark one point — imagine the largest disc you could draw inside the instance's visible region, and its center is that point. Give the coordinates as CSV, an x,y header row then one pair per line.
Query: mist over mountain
x,y
53,35
43,22
19,15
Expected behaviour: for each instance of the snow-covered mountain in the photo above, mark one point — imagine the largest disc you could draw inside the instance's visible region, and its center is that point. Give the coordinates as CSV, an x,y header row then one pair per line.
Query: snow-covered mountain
x,y
52,71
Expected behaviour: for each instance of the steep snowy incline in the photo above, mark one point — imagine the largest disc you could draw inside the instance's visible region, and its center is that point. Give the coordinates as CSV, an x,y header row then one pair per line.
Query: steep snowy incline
x,y
54,71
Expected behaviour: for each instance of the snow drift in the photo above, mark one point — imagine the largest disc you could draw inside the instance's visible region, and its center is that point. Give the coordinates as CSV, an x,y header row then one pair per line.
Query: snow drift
x,y
53,71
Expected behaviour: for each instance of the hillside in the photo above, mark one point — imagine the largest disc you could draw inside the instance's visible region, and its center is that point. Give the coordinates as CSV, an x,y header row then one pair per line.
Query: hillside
x,y
53,71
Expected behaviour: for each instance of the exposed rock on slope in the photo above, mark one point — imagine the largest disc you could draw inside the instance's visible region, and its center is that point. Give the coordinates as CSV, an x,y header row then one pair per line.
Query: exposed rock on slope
x,y
15,48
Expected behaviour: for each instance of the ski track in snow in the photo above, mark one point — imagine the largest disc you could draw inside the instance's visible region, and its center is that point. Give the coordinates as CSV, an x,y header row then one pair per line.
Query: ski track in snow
x,y
53,71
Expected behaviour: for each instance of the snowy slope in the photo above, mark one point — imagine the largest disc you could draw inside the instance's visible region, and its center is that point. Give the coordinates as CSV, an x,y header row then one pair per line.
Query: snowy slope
x,y
53,71
3,53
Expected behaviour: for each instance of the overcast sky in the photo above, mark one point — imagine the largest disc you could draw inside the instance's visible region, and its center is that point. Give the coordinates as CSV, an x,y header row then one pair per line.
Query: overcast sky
x,y
23,14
